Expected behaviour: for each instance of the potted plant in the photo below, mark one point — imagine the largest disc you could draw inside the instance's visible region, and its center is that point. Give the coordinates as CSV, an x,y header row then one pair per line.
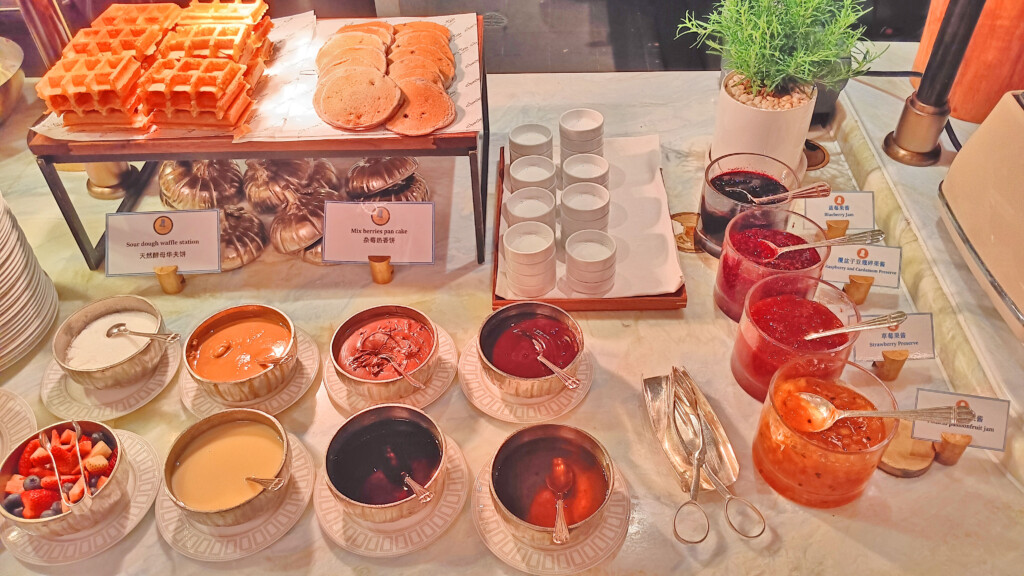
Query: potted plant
x,y
776,50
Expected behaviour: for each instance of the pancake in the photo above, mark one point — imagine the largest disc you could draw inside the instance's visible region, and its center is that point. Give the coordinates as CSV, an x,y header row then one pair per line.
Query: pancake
x,y
356,98
425,108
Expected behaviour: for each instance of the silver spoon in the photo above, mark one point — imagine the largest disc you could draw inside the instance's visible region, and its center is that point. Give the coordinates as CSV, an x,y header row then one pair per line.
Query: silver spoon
x,y
571,382
272,484
122,329
560,481
819,190
822,414
415,383
422,494
869,237
888,321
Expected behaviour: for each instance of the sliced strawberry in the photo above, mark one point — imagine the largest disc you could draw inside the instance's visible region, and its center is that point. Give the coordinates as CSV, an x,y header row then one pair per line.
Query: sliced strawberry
x,y
77,491
50,483
41,472
25,463
110,465
67,463
54,438
85,446
38,501
68,437
103,480
16,485
40,457
102,449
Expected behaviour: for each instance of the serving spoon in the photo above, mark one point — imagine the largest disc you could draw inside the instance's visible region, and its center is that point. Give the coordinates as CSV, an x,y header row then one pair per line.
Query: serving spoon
x,y
822,414
394,363
121,329
819,190
272,484
869,237
560,481
571,382
888,321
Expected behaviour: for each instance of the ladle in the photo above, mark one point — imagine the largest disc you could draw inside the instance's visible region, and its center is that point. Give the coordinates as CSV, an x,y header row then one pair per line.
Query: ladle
x,y
822,414
122,329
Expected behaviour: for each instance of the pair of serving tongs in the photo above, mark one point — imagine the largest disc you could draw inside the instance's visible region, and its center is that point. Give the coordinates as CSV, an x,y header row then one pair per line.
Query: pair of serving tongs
x,y
697,446
85,503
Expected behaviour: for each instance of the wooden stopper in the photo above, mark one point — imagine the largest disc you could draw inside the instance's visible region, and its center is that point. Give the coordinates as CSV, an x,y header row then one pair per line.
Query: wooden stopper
x,y
381,269
170,281
836,228
858,287
951,448
892,362
905,456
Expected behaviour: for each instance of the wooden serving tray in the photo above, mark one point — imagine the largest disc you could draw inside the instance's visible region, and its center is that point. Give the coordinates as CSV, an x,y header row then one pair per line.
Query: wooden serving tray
x,y
673,301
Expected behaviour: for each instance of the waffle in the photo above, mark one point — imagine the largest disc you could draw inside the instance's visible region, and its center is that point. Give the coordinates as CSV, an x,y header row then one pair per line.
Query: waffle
x,y
99,84
235,115
236,42
162,16
139,42
193,85
114,120
218,12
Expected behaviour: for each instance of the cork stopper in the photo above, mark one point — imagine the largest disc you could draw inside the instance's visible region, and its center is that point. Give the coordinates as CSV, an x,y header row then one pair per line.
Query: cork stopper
x,y
888,369
170,281
951,448
381,269
836,228
858,287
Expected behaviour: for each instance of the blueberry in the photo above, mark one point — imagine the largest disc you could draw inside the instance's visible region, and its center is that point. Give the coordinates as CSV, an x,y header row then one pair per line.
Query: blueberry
x,y
56,507
18,512
93,481
11,502
32,483
47,514
96,438
67,486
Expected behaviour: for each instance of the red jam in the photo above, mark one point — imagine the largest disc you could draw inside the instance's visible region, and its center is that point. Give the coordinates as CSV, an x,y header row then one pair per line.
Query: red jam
x,y
514,352
748,242
786,319
407,341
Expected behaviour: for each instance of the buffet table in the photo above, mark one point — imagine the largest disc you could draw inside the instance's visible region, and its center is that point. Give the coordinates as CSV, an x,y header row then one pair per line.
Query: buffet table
x,y
962,519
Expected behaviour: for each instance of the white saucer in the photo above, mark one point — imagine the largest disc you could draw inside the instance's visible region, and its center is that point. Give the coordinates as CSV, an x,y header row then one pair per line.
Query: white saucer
x,y
200,543
404,536
603,543
68,399
349,402
143,485
493,402
17,421
202,403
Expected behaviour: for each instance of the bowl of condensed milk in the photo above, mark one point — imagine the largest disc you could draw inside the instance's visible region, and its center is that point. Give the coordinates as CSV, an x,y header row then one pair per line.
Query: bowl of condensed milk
x,y
244,354
88,356
207,466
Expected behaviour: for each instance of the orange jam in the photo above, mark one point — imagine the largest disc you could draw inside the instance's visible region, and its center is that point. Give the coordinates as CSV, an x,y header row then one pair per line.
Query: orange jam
x,y
238,350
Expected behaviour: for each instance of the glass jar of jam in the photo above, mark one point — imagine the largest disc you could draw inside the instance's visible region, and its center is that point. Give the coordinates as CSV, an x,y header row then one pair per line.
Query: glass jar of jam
x,y
831,467
729,183
778,312
746,259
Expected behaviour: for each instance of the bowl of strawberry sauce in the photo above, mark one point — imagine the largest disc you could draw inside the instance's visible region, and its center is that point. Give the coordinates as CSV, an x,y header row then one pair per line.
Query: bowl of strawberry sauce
x,y
831,467
778,312
746,258
512,338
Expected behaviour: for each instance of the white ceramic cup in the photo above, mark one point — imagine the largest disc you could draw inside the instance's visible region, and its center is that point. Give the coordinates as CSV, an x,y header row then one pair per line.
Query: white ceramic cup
x,y
528,242
581,124
589,251
513,155
584,168
590,287
530,140
582,146
532,171
591,277
531,205
530,281
585,201
514,267
571,226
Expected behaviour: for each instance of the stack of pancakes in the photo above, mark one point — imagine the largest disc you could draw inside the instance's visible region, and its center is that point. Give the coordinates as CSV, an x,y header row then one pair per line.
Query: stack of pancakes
x,y
373,73
143,64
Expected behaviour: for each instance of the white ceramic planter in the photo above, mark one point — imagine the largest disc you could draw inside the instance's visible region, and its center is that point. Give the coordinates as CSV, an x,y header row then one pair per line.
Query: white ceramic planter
x,y
779,134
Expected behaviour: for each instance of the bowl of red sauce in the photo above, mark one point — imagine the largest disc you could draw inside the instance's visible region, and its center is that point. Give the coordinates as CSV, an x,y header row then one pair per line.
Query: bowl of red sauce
x,y
366,347
519,488
509,355
370,454
747,259
831,467
242,355
778,312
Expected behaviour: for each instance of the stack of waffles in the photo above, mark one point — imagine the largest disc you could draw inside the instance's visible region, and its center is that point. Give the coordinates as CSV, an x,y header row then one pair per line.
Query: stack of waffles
x,y
375,73
159,64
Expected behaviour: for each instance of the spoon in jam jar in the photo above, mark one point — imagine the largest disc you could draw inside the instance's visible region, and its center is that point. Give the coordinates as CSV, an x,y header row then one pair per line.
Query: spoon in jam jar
x,y
560,481
571,382
892,320
822,414
868,237
396,468
121,328
818,190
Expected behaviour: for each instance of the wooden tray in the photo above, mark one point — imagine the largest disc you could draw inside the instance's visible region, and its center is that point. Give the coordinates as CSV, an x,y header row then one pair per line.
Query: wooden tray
x,y
673,301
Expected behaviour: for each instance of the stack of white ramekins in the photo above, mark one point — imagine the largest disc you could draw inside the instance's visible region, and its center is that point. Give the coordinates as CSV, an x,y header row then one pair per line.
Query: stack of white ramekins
x,y
581,131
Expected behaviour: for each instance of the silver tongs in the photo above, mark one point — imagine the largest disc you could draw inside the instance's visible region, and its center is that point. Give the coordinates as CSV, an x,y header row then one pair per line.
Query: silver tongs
x,y
698,448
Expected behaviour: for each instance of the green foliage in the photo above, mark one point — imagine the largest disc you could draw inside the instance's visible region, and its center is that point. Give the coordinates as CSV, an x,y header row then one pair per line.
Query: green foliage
x,y
784,45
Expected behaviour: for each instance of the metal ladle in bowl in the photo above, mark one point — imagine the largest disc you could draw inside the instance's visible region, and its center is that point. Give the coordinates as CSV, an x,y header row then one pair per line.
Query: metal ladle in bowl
x,y
121,328
822,414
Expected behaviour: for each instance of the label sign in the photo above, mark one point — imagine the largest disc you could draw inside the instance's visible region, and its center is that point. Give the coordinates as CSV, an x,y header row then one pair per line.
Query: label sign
x,y
880,262
137,242
988,430
916,335
854,205
354,231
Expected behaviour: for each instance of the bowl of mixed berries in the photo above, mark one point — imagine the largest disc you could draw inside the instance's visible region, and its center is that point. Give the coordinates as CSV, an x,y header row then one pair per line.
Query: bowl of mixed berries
x,y
72,486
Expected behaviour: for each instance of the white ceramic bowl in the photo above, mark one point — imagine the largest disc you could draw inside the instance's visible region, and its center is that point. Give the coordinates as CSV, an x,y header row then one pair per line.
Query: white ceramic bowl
x,y
590,287
585,201
528,242
513,155
590,251
581,124
566,154
591,277
571,226
516,267
585,168
545,278
531,171
530,140
534,292
580,146
531,205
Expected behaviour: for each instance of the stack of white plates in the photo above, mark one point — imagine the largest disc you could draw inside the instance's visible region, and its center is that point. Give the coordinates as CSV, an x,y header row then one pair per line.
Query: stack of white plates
x,y
28,300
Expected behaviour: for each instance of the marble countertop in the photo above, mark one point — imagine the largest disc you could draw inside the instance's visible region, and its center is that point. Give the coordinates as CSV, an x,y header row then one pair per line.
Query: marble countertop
x,y
963,519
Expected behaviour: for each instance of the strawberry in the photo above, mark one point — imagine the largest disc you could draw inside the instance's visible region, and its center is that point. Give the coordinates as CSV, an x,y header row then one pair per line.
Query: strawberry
x,y
54,438
101,482
110,464
25,463
85,446
40,458
50,483
67,463
37,501
68,437
16,485
102,449
78,490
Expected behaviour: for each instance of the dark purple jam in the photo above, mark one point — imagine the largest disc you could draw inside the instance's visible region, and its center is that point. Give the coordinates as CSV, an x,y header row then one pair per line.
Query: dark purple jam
x,y
715,213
